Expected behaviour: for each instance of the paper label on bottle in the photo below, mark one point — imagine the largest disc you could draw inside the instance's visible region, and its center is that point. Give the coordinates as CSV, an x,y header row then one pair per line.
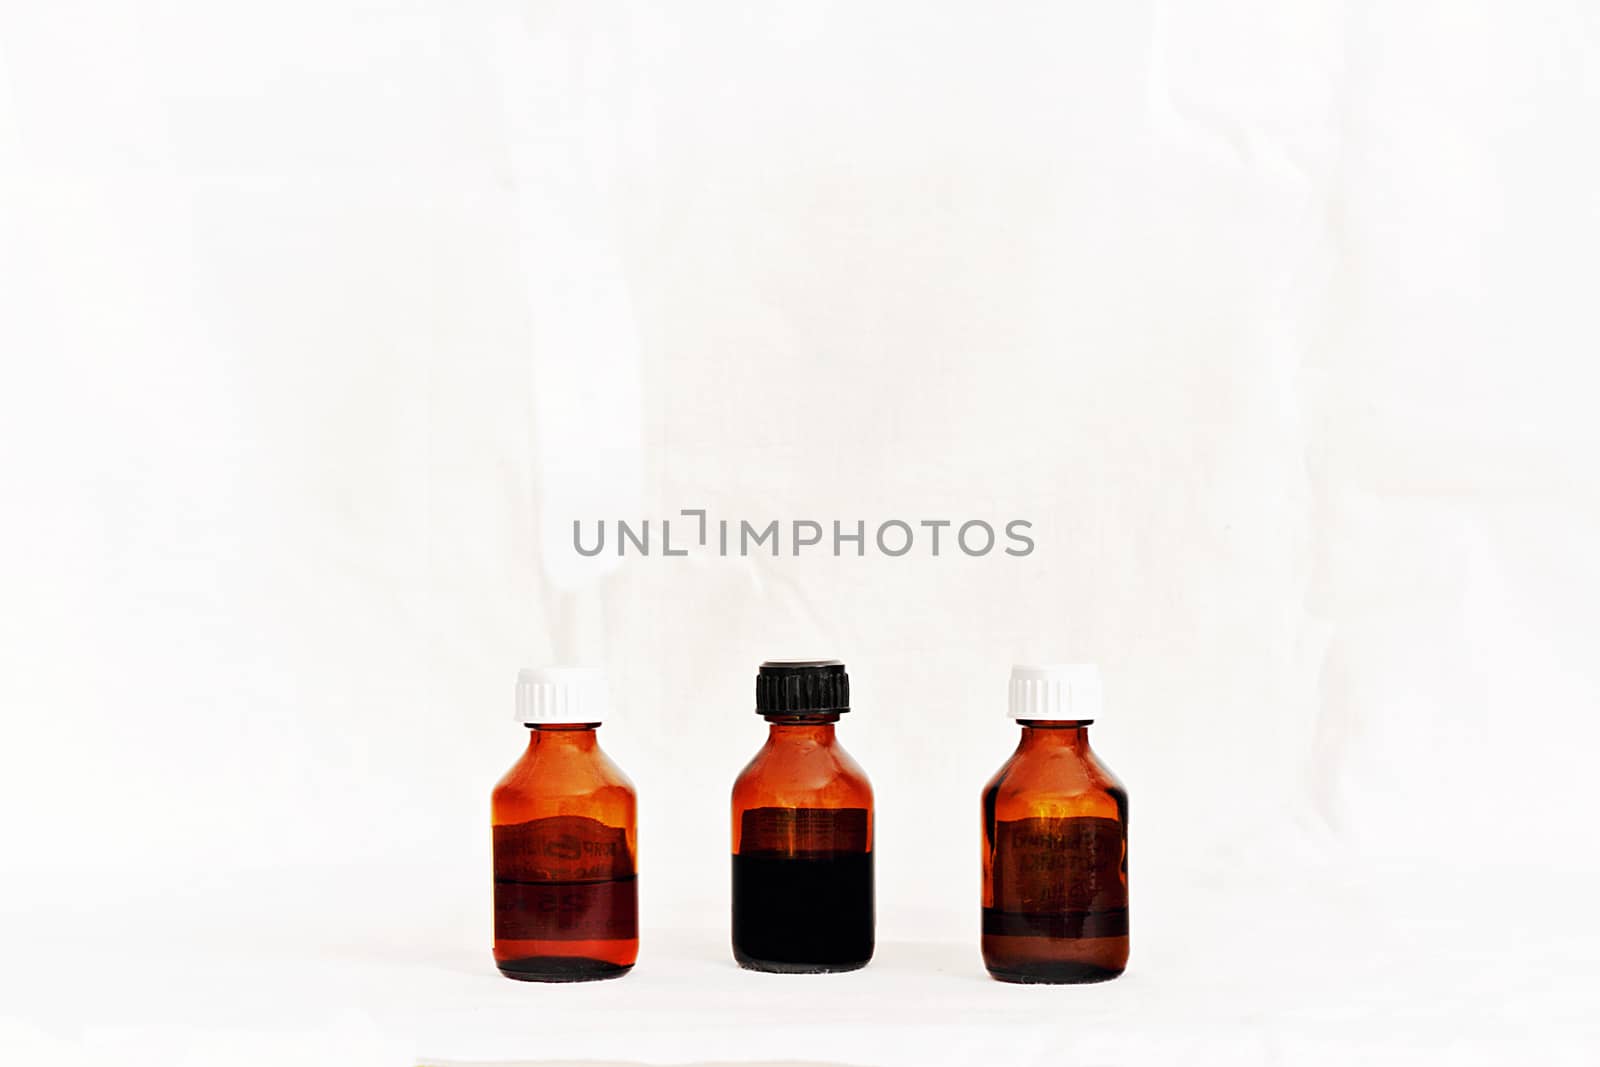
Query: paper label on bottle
x,y
1060,878
561,848
791,831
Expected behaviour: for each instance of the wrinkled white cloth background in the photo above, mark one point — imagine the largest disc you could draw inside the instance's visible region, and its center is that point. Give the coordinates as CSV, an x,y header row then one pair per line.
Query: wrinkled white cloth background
x,y
322,320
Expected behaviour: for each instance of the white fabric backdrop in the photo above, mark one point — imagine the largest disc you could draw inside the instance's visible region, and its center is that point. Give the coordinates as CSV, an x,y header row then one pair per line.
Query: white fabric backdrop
x,y
321,321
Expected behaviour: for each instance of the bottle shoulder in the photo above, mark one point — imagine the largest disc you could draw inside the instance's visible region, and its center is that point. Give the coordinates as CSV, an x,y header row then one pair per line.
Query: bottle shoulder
x,y
1055,773
556,773
826,773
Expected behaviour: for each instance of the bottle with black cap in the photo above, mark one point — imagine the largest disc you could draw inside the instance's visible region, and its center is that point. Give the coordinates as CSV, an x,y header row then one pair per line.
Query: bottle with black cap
x,y
802,831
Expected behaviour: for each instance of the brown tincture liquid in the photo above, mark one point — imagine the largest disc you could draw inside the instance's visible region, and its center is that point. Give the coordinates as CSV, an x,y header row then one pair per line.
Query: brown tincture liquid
x,y
565,895
1055,861
802,832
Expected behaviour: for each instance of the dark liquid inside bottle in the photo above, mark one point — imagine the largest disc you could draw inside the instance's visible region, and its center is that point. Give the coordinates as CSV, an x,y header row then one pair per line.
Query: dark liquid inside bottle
x,y
1025,947
571,916
806,913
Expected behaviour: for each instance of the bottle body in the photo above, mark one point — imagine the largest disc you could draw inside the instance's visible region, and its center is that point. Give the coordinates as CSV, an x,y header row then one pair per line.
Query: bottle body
x,y
565,845
803,897
1055,861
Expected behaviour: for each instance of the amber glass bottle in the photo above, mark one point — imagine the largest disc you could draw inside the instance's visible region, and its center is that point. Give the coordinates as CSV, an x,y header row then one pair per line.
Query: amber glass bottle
x,y
802,831
565,895
1055,840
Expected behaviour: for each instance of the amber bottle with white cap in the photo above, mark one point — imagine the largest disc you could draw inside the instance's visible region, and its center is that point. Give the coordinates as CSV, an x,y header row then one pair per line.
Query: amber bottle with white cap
x,y
1055,840
565,891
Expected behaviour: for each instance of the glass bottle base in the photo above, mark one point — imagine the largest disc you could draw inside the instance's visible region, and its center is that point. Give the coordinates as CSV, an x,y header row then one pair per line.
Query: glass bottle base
x,y
1055,974
751,963
1053,961
562,969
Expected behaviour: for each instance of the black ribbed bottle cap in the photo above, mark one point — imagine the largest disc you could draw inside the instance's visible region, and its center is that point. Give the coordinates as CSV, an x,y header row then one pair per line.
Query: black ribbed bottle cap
x,y
802,687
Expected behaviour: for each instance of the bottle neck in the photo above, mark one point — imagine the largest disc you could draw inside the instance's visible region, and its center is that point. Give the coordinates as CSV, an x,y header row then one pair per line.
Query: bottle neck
x,y
569,736
813,729
1042,734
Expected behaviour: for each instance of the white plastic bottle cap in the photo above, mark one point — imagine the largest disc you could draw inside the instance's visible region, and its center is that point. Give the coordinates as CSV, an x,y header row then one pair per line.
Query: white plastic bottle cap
x,y
1057,692
562,695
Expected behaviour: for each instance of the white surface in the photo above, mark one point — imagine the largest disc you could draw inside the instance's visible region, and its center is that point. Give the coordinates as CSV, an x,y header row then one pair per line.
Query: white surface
x,y
320,320
1310,967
